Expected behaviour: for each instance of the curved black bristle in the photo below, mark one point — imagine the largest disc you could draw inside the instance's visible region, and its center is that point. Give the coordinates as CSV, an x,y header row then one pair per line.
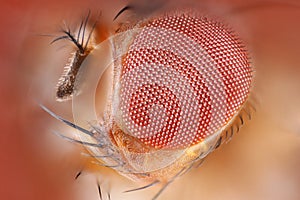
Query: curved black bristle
x,y
101,194
128,7
170,181
219,142
142,188
84,27
78,174
59,38
99,191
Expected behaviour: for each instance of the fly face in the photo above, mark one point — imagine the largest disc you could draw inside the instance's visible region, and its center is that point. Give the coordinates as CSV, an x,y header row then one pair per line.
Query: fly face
x,y
179,86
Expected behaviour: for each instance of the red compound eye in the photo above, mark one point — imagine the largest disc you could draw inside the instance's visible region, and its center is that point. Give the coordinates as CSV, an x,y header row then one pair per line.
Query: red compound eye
x,y
183,78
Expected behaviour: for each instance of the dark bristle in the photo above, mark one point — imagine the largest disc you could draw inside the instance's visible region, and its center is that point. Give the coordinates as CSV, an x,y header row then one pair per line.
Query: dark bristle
x,y
128,7
237,128
89,36
84,26
59,38
169,182
219,142
242,120
79,31
142,188
78,174
199,163
99,191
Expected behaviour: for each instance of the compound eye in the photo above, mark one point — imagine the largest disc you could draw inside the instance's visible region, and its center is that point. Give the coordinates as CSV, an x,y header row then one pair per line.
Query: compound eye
x,y
183,78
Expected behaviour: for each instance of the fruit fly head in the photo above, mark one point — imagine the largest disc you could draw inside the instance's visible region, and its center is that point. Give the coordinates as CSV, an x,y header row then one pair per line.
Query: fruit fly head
x,y
177,86
177,82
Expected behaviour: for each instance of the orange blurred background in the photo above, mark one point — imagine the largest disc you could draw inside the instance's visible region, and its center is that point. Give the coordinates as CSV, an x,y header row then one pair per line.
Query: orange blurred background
x,y
261,162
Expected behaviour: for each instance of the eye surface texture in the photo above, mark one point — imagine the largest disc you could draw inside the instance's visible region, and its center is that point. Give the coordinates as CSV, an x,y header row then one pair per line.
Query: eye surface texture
x,y
183,78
